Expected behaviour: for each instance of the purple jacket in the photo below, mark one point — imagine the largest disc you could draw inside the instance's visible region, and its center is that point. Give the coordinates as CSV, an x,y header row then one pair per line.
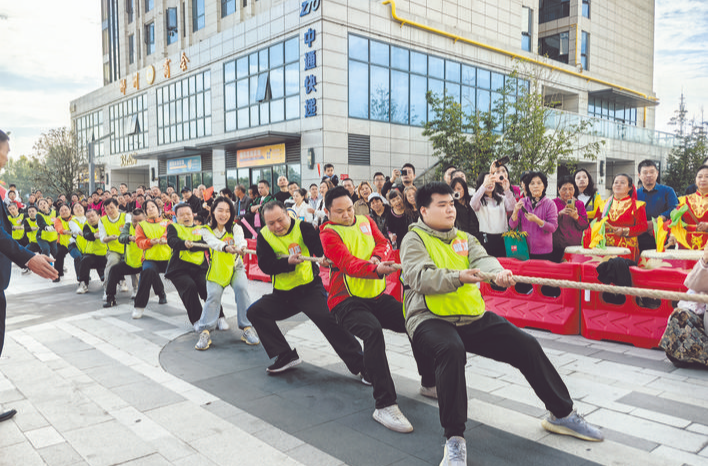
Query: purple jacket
x,y
570,231
540,239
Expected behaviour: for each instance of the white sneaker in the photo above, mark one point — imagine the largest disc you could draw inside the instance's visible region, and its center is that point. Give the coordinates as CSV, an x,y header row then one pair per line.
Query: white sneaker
x,y
105,297
455,452
82,289
134,294
221,324
25,271
392,418
123,286
249,336
138,312
430,392
204,341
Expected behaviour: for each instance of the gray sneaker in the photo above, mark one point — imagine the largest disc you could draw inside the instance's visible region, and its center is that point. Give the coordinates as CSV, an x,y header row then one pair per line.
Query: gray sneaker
x,y
392,418
429,392
249,336
455,452
204,341
574,425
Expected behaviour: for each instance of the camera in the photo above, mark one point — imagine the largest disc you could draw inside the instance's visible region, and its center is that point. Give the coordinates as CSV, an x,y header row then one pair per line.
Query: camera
x,y
501,178
404,171
456,195
569,202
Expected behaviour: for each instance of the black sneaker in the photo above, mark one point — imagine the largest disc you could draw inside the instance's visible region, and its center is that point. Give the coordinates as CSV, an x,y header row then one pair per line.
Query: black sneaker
x,y
56,280
110,302
284,362
7,415
163,299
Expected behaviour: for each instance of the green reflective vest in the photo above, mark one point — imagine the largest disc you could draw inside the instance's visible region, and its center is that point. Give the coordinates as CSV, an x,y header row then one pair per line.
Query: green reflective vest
x,y
221,267
17,222
292,243
96,247
157,252
32,235
467,299
113,229
359,239
80,240
64,240
187,234
51,234
133,254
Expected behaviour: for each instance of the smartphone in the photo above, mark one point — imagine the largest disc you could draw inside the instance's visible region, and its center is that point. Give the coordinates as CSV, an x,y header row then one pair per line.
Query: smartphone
x,y
523,209
502,161
569,202
404,171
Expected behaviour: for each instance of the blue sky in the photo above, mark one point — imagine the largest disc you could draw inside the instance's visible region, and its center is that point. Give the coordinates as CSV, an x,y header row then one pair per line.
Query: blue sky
x,y
52,57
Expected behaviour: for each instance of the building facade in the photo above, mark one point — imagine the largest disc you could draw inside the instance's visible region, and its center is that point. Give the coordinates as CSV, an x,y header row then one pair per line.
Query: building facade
x,y
226,92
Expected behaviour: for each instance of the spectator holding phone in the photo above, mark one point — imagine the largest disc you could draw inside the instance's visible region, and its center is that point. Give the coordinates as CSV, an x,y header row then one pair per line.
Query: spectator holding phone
x,y
405,176
466,218
536,215
572,218
492,202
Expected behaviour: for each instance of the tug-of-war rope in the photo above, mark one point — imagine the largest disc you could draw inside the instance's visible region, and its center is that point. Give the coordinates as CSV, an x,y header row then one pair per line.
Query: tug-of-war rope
x,y
622,290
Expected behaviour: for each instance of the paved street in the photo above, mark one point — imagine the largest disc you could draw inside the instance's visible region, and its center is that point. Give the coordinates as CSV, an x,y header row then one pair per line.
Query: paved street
x,y
93,386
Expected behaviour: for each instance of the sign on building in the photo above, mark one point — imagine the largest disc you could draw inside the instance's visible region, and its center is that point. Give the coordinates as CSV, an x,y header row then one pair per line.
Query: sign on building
x,y
259,156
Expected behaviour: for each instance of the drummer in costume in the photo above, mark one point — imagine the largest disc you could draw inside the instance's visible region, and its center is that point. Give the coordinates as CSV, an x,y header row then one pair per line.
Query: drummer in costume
x,y
358,251
297,287
132,259
226,243
624,218
689,221
446,319
151,237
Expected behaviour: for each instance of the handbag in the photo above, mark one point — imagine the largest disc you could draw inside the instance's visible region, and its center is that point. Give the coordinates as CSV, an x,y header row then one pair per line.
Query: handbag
x,y
516,245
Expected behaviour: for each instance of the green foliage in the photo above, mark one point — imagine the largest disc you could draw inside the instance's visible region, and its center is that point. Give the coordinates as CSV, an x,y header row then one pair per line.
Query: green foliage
x,y
18,171
57,163
690,152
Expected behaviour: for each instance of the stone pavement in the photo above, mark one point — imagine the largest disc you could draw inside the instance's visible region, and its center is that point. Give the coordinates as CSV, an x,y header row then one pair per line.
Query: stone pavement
x,y
93,386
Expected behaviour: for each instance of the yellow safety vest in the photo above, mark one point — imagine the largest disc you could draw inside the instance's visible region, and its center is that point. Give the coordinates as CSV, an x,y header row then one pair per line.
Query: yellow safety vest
x,y
221,267
292,243
158,252
80,240
187,234
64,240
32,235
133,254
50,235
359,239
467,299
113,228
96,247
16,222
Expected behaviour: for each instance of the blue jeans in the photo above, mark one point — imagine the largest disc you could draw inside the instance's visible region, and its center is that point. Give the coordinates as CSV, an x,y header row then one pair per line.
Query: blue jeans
x,y
210,312
76,255
48,248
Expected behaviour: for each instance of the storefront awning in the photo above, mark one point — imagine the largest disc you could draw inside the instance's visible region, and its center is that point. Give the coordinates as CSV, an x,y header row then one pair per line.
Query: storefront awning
x,y
624,98
253,140
175,153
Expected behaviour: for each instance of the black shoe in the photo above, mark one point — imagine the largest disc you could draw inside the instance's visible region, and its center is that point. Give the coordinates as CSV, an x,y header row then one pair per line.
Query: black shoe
x,y
7,415
284,362
365,379
163,299
110,302
56,280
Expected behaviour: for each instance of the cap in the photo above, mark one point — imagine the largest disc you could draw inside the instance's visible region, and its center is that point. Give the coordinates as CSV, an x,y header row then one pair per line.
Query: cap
x,y
186,190
376,195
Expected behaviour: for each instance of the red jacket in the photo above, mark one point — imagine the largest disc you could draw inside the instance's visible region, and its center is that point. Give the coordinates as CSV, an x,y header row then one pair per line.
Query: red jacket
x,y
345,262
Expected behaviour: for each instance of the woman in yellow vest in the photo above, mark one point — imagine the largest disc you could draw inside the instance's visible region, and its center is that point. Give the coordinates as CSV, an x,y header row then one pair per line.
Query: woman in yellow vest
x,y
47,236
132,259
446,319
78,246
17,220
151,237
94,256
61,225
31,230
226,244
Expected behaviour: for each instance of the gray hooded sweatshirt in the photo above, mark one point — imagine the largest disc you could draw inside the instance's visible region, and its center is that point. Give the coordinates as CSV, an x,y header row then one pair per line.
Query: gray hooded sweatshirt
x,y
424,278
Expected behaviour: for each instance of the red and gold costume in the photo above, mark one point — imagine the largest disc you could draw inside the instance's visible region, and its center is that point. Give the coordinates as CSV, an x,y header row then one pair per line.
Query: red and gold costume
x,y
623,213
696,205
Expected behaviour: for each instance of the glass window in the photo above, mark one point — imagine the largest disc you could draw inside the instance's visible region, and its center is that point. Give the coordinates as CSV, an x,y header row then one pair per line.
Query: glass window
x,y
149,5
419,63
230,124
292,79
358,48
586,8
253,88
277,83
379,53
526,28
418,111
453,90
265,113
253,63
399,58
242,117
399,97
469,75
292,107
379,93
171,29
230,71
555,47
277,110
150,31
131,49
197,15
452,71
437,87
468,100
276,55
497,81
242,67
263,60
484,79
436,67
292,50
483,100
227,7
262,91
358,89
585,50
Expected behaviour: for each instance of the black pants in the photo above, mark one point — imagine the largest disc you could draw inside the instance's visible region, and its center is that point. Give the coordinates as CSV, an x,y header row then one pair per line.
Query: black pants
x,y
3,306
88,262
150,277
34,247
493,243
62,252
116,274
311,300
646,241
542,257
366,319
191,285
493,337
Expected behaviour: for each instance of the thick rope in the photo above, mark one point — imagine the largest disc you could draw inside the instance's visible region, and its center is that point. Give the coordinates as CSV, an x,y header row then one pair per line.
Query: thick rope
x,y
602,288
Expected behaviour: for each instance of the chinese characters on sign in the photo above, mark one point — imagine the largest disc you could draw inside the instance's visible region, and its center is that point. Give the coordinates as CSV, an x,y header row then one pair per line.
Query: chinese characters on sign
x,y
150,73
166,68
257,156
308,6
310,64
183,60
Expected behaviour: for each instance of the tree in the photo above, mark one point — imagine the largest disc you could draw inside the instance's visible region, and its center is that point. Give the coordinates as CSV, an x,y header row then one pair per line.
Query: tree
x,y
57,162
689,152
521,125
18,171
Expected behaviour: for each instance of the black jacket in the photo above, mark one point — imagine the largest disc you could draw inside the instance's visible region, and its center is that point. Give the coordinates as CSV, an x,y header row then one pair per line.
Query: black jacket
x,y
466,219
176,265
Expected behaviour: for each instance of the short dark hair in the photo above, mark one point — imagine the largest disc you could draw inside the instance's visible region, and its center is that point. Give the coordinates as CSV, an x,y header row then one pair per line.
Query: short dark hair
x,y
124,184
94,210
292,183
409,165
265,182
379,174
646,163
566,180
530,176
241,188
424,196
449,167
179,206
328,165
313,184
702,167
335,193
272,205
349,179
138,212
13,185
184,190
110,201
3,136
31,207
